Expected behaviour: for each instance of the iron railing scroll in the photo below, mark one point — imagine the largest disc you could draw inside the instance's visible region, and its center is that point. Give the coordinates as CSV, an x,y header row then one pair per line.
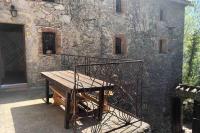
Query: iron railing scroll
x,y
121,81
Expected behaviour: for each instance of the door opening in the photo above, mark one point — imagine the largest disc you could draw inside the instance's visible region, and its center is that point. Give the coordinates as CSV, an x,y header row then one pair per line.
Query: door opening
x,y
196,117
176,115
12,54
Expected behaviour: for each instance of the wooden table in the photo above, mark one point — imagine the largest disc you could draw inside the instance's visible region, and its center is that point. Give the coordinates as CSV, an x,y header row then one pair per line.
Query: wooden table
x,y
65,80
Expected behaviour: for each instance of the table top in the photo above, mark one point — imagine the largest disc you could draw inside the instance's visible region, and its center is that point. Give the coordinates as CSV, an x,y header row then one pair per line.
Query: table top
x,y
66,80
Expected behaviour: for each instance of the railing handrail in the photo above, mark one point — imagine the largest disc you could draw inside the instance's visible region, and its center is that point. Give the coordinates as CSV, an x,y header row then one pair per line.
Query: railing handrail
x,y
109,63
89,56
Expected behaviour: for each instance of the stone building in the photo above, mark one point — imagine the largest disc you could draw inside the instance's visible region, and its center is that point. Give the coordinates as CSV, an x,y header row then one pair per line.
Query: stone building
x,y
151,30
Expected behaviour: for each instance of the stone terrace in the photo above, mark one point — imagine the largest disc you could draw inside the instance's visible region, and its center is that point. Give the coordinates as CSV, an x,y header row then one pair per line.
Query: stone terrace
x,y
23,110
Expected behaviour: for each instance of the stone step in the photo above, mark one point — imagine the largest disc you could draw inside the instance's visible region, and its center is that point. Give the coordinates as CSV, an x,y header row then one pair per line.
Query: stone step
x,y
14,86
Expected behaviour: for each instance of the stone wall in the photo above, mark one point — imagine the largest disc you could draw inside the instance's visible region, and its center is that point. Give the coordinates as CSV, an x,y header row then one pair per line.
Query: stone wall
x,y
88,28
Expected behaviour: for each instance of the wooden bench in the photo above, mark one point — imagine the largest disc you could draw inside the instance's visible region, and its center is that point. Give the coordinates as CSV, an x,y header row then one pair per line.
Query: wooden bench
x,y
65,79
92,98
59,98
58,95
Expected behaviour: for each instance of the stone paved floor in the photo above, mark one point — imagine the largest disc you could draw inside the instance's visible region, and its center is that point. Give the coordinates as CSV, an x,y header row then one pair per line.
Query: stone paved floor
x,y
23,110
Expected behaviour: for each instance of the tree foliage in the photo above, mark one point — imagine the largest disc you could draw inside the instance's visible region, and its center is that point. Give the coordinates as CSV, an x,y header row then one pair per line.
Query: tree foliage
x,y
191,66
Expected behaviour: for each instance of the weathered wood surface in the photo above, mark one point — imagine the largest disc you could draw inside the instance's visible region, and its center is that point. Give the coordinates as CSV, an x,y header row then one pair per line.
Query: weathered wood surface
x,y
66,80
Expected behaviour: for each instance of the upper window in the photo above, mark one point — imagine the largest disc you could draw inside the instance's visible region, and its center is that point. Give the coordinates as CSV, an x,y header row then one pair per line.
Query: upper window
x,y
49,0
118,45
161,15
118,6
162,46
48,40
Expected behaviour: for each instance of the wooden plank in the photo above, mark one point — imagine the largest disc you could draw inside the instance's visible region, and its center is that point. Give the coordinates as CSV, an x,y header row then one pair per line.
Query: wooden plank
x,y
69,85
81,79
67,110
93,99
89,80
101,104
95,81
71,79
62,80
58,100
58,80
47,92
58,91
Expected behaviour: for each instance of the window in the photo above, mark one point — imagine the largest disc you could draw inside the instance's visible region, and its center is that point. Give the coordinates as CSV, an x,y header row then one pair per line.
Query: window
x,y
49,0
118,6
55,1
161,15
162,46
48,40
118,45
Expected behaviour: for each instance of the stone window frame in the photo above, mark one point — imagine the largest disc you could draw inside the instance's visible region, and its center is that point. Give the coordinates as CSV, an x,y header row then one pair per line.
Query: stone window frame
x,y
164,48
123,43
123,7
58,41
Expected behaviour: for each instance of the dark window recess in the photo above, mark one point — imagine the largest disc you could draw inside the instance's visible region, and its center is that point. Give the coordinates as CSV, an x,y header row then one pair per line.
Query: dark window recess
x,y
118,45
162,47
118,6
49,0
55,1
48,39
161,15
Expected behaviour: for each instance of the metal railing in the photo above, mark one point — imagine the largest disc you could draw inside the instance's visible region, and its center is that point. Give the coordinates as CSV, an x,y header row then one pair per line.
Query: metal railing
x,y
68,62
124,100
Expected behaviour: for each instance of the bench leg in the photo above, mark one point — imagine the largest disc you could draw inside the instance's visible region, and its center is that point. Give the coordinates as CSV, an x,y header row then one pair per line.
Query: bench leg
x,y
101,104
67,110
47,92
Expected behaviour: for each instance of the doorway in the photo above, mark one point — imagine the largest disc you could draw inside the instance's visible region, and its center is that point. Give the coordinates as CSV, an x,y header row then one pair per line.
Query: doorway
x,y
185,117
12,54
196,117
176,115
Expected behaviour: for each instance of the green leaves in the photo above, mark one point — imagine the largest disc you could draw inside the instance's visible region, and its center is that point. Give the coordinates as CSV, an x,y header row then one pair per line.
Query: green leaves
x,y
191,64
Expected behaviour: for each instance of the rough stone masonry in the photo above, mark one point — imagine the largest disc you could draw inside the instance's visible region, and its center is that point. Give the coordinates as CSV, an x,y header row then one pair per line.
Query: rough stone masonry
x,y
88,27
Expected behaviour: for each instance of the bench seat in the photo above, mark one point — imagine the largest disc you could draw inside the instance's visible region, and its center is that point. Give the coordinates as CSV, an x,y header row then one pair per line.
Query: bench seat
x,y
59,98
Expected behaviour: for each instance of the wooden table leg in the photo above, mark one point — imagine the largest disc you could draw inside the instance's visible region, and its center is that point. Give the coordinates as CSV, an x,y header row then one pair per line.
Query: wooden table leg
x,y
67,110
101,104
47,91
